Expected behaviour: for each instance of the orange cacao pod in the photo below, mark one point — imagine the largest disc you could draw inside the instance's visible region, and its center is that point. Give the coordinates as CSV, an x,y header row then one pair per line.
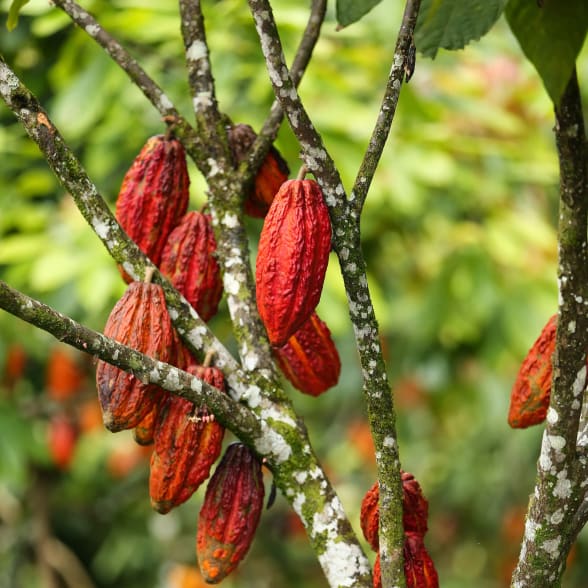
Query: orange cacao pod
x,y
419,569
154,195
139,320
187,442
529,399
369,517
415,508
64,377
272,173
292,259
310,359
230,513
143,433
188,261
62,438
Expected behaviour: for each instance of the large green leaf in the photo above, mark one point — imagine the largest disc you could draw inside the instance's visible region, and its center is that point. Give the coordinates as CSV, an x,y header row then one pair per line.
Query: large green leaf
x,y
13,13
452,24
551,37
349,11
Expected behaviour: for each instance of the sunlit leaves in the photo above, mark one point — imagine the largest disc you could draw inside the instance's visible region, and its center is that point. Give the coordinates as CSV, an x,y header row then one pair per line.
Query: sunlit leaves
x,y
551,37
452,24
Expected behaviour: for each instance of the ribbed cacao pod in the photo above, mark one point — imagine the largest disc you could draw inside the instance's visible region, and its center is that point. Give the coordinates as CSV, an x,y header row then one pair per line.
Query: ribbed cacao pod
x,y
310,359
419,569
377,575
187,442
188,260
272,173
143,433
529,399
292,259
154,195
230,513
369,517
139,320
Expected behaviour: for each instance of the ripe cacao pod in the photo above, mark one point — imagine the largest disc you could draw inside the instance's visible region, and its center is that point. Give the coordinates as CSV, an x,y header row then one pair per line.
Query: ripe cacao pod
x,y
154,195
188,260
292,259
272,173
62,437
64,377
310,359
230,513
369,517
139,320
187,442
377,575
143,433
529,399
419,569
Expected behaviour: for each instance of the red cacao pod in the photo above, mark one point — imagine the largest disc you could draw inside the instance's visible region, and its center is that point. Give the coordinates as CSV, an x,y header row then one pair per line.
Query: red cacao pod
x,y
188,260
143,433
62,438
415,508
187,442
419,569
64,377
292,259
529,399
377,575
310,359
230,513
139,320
370,516
154,195
272,173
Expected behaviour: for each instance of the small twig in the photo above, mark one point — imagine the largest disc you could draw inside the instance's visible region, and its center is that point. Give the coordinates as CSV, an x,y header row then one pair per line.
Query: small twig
x,y
368,166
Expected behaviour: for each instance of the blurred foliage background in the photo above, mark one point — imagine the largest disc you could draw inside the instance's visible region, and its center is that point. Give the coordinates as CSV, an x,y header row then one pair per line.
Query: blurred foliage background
x,y
460,236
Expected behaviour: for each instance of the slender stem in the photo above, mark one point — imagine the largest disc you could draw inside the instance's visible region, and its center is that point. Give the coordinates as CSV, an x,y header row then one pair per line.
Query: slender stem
x,y
404,42
559,493
347,245
231,414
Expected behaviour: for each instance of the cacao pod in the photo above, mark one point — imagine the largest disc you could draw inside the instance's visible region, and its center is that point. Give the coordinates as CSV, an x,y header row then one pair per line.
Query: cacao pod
x,y
64,377
188,261
370,516
230,513
419,569
377,575
187,442
154,195
272,173
143,433
292,259
139,320
310,359
529,399
62,438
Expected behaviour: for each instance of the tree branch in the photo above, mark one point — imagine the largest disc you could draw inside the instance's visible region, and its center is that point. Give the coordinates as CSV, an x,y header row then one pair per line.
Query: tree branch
x,y
347,245
404,44
549,530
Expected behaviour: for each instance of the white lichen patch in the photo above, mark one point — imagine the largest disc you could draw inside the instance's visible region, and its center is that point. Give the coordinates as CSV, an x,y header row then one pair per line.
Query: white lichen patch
x,y
154,375
165,103
128,268
551,546
300,478
563,486
389,442
172,381
343,563
273,445
530,530
545,462
230,220
557,517
196,385
196,336
552,416
213,167
231,284
579,382
297,503
252,396
251,360
572,327
557,442
197,50
92,29
271,413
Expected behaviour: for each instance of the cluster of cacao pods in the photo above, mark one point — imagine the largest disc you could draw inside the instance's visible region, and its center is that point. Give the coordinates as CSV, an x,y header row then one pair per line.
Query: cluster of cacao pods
x,y
419,569
531,392
186,440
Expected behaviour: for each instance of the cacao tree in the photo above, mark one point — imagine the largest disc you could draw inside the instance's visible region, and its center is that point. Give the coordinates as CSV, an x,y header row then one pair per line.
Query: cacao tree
x,y
271,311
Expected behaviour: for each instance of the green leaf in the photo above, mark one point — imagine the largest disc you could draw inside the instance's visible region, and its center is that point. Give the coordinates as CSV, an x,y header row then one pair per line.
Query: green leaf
x,y
550,37
452,24
350,11
13,13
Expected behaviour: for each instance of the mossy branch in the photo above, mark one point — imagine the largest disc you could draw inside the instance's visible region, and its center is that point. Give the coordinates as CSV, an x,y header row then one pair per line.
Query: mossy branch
x,y
557,503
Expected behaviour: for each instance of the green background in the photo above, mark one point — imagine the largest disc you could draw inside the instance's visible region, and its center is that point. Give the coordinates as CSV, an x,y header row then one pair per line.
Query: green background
x,y
459,232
